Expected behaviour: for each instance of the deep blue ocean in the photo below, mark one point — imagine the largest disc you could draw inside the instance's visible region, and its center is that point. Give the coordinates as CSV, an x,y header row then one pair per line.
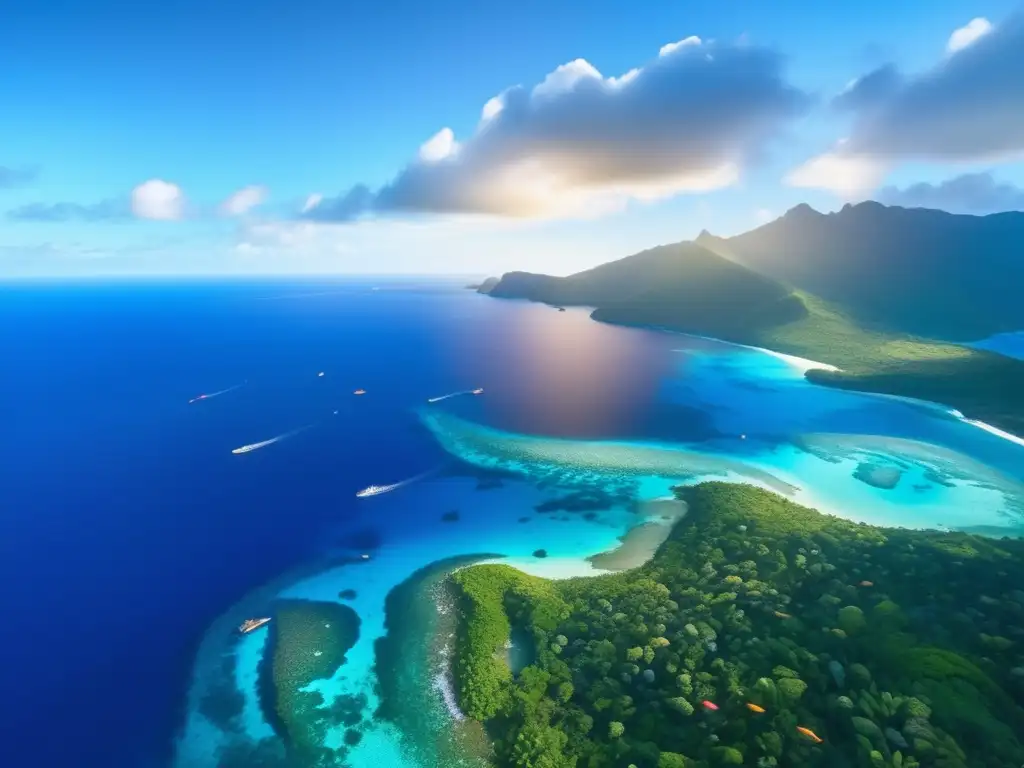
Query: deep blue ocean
x,y
129,527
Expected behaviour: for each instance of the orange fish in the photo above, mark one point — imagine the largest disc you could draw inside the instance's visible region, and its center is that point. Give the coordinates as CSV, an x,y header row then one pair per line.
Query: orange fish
x,y
867,584
782,615
755,708
710,705
359,392
809,734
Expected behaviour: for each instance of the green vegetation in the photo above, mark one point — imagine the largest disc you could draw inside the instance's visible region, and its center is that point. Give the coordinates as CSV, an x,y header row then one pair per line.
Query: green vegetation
x,y
924,272
407,659
894,648
980,384
308,641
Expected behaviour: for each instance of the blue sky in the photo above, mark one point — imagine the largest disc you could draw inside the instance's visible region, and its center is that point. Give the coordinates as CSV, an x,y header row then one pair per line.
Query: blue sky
x,y
273,103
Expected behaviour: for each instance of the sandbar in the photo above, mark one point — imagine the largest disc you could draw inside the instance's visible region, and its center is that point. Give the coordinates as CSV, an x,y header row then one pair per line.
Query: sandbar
x,y
640,543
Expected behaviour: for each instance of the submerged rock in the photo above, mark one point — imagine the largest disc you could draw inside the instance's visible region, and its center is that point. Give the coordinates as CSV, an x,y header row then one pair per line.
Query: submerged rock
x,y
540,553
450,517
838,673
885,478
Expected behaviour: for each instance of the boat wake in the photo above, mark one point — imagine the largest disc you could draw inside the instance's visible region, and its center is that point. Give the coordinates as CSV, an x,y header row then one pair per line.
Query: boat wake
x,y
478,391
271,441
216,394
376,490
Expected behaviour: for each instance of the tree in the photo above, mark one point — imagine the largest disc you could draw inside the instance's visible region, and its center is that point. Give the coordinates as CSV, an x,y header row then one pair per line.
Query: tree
x,y
540,746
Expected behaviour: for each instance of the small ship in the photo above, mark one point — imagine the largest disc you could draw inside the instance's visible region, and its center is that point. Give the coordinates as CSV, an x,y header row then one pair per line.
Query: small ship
x,y
373,490
249,625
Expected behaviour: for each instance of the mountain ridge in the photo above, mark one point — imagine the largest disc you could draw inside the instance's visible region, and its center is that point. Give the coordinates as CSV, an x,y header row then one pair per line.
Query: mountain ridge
x,y
911,270
693,288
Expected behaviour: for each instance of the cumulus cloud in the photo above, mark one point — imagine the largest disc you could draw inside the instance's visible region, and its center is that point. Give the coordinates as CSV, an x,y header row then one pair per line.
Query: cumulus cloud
x,y
15,177
968,34
841,171
968,108
244,200
578,142
105,210
159,200
977,193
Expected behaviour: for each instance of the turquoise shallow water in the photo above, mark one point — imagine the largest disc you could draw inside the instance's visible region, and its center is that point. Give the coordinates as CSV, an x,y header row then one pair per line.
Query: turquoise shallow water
x,y
763,423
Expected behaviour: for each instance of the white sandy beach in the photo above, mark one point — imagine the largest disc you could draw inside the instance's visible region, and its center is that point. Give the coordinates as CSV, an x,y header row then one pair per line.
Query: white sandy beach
x,y
801,364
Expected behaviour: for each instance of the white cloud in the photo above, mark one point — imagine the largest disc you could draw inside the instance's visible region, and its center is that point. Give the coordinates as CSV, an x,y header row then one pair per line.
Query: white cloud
x,y
439,146
672,47
840,172
312,202
580,142
626,79
968,34
565,78
493,107
243,200
157,199
967,109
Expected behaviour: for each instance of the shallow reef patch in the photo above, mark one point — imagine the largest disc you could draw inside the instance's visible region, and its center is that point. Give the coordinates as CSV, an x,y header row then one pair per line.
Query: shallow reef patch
x,y
308,641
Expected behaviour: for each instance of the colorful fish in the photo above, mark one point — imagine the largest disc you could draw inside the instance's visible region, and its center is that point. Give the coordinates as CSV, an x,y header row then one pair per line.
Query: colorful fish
x,y
782,615
710,705
754,708
809,734
867,584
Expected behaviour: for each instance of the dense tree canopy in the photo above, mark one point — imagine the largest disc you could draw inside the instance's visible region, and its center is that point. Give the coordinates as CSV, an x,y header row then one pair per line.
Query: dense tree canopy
x,y
762,634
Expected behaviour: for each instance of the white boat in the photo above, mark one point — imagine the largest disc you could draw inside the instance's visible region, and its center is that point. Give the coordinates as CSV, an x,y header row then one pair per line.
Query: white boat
x,y
373,490
250,624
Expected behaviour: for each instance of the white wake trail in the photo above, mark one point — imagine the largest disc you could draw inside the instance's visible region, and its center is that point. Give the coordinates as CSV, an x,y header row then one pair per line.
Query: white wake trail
x,y
216,394
479,391
375,490
271,441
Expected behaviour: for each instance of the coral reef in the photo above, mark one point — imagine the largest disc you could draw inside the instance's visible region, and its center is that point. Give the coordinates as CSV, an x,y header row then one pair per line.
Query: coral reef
x,y
308,641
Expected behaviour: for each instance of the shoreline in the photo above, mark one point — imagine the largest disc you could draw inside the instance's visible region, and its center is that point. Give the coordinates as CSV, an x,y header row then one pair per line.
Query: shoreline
x,y
1002,433
804,365
796,362
641,542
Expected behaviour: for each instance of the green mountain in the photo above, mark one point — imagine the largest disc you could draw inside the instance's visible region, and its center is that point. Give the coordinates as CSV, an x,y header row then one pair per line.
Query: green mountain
x,y
911,270
681,285
689,288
